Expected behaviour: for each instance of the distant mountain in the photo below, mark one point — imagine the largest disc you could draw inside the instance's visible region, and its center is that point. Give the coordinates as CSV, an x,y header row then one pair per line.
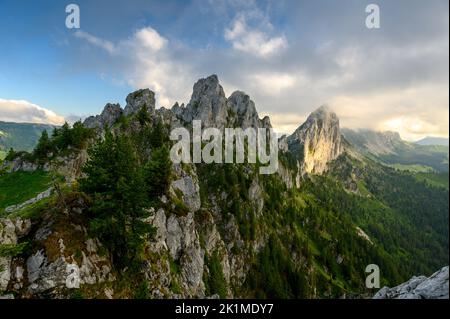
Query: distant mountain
x,y
430,140
389,148
307,231
21,136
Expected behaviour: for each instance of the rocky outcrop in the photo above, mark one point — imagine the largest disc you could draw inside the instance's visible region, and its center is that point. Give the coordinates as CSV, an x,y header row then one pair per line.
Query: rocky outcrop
x,y
243,112
138,99
433,287
11,230
22,163
108,117
188,185
317,141
65,271
209,104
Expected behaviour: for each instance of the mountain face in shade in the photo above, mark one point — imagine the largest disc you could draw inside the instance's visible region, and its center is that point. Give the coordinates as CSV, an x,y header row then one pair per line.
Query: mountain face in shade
x,y
21,136
389,148
430,140
368,141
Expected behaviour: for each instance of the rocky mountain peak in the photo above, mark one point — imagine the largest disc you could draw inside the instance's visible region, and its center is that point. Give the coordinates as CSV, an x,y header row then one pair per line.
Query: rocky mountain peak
x,y
244,112
209,104
207,87
323,114
317,141
110,114
138,99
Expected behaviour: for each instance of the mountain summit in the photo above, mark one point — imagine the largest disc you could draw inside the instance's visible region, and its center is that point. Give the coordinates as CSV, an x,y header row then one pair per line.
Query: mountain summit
x,y
210,105
317,141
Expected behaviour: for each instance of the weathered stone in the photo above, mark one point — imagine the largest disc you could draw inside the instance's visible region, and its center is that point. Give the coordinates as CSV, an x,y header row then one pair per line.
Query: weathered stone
x,y
245,112
434,287
190,191
108,117
174,236
138,99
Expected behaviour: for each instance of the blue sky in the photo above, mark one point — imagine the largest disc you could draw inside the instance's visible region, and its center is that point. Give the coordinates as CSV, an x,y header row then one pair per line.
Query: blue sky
x,y
289,56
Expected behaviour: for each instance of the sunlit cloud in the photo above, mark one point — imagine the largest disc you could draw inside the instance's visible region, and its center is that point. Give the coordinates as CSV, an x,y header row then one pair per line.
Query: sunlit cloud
x,y
26,112
253,41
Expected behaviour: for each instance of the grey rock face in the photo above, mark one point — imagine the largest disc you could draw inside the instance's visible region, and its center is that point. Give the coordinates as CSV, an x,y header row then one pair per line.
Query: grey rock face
x,y
108,117
190,191
318,140
21,164
44,275
256,195
70,166
434,287
10,232
245,111
208,103
138,99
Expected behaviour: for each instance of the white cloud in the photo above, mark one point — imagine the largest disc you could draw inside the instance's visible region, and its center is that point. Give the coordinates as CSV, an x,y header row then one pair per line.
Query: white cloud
x,y
149,63
253,41
104,44
371,80
273,83
24,111
150,39
414,112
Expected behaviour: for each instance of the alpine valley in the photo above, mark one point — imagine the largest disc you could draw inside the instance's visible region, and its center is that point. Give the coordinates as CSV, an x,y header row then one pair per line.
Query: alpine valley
x,y
98,210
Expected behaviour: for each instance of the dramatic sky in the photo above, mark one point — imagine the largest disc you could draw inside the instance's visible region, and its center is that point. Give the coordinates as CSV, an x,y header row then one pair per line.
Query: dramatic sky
x,y
289,56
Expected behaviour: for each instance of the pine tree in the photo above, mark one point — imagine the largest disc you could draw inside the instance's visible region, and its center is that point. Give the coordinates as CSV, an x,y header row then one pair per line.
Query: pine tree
x,y
116,184
43,147
11,155
157,172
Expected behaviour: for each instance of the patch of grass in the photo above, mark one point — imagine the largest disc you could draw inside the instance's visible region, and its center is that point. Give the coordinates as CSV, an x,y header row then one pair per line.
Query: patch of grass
x,y
35,210
175,267
434,179
12,250
215,283
2,155
175,286
412,168
17,187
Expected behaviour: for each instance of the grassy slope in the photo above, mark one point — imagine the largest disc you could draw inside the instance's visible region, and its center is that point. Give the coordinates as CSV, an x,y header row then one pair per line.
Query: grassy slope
x,y
434,179
18,187
21,136
416,168
434,156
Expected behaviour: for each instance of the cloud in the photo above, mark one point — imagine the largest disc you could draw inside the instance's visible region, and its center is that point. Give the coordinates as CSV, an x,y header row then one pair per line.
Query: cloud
x,y
414,112
148,61
149,38
101,43
24,111
273,83
253,41
292,57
